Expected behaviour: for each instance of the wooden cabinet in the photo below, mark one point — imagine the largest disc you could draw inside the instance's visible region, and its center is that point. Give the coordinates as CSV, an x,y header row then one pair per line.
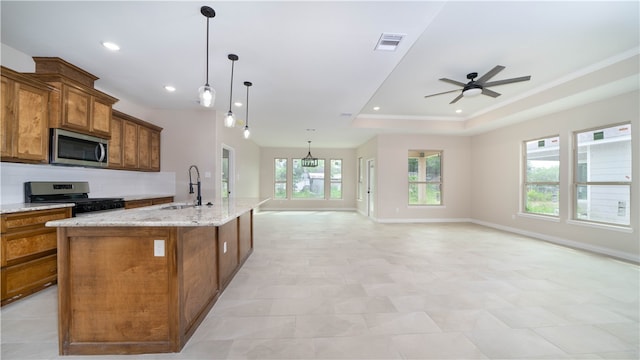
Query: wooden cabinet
x,y
24,119
147,291
78,106
115,144
132,204
28,252
139,143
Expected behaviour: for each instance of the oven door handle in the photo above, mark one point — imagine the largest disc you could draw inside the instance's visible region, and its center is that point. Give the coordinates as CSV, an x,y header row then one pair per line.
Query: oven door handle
x,y
100,152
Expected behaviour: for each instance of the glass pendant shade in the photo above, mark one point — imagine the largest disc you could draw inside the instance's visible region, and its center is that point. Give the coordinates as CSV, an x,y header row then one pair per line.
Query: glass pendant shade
x,y
230,120
246,132
207,95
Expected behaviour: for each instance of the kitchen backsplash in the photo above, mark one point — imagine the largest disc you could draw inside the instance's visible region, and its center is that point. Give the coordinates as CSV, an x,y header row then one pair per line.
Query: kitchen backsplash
x,y
102,182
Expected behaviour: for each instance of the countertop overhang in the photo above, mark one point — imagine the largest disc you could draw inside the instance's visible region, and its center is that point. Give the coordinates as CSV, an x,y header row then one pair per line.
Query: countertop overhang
x,y
217,214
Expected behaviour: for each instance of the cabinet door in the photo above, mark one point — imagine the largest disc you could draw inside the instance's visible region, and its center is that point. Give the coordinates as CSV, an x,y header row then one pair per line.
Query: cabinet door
x,y
155,150
100,118
76,109
130,144
144,148
115,143
32,129
6,117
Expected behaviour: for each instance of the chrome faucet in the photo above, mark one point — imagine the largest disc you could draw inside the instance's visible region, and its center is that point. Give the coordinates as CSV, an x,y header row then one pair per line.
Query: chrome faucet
x,y
199,196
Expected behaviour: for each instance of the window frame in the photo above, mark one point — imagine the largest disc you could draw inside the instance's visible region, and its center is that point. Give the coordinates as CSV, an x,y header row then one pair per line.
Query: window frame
x,y
332,180
439,182
324,173
276,181
577,169
526,183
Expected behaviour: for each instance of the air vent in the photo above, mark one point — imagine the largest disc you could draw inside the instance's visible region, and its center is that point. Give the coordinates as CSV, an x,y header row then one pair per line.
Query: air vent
x,y
389,42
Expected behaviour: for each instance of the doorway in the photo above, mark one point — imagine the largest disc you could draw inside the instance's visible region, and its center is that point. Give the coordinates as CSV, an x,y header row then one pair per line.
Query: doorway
x,y
226,189
370,187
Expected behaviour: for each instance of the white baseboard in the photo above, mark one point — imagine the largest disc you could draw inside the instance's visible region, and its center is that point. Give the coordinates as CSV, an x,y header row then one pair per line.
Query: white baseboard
x,y
562,241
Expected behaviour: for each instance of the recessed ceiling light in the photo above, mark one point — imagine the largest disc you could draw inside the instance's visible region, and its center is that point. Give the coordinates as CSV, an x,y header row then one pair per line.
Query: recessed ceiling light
x,y
111,46
376,108
237,104
169,88
458,111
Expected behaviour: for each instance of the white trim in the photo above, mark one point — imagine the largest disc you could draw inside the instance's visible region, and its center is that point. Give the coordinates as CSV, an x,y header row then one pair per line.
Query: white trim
x,y
565,242
422,221
540,217
620,228
306,209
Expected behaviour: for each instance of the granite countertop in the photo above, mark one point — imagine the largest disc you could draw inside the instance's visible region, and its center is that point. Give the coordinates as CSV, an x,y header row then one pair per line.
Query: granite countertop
x,y
218,214
21,207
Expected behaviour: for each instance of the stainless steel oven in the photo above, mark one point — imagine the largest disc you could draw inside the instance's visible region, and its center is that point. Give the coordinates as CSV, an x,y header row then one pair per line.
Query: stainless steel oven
x,y
70,148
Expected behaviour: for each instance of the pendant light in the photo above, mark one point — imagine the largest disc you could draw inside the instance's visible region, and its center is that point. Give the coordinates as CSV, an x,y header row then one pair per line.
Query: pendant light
x,y
246,131
230,118
206,93
309,161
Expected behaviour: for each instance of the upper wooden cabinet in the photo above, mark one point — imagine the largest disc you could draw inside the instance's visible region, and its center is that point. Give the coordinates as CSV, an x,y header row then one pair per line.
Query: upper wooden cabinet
x,y
77,106
24,119
134,144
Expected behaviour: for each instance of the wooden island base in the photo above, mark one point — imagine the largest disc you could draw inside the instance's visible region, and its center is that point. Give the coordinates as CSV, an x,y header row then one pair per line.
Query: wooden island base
x,y
134,290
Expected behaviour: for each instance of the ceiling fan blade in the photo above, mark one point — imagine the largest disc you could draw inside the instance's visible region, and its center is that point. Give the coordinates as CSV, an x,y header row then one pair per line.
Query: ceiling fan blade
x,y
507,81
488,92
456,99
446,92
493,72
453,82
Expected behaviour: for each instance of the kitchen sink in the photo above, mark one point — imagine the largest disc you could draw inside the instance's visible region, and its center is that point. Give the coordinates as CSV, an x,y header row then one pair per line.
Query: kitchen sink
x,y
177,207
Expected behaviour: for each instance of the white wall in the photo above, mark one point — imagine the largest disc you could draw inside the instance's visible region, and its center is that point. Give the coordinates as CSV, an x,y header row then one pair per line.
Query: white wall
x,y
496,182
392,178
348,201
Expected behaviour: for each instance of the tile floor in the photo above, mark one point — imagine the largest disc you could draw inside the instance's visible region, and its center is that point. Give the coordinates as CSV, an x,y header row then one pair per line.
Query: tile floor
x,y
335,285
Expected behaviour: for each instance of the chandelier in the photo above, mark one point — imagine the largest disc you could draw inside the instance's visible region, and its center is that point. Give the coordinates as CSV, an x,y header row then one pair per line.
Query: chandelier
x,y
309,161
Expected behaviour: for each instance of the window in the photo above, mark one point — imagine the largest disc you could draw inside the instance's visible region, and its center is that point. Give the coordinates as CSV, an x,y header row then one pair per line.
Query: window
x,y
308,182
602,175
336,179
542,176
425,177
280,179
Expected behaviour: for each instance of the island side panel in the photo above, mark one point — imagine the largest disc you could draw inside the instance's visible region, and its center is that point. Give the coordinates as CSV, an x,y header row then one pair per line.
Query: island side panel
x,y
119,293
245,236
198,273
227,252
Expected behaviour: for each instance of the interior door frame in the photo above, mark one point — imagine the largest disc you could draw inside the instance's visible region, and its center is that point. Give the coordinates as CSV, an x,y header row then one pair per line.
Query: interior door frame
x,y
371,187
232,170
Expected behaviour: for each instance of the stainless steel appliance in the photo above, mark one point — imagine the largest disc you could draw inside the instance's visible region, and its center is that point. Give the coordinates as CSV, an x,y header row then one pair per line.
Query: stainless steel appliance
x,y
76,192
70,148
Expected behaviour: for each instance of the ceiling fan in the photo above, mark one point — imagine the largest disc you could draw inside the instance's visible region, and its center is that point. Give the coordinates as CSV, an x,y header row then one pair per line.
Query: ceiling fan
x,y
477,87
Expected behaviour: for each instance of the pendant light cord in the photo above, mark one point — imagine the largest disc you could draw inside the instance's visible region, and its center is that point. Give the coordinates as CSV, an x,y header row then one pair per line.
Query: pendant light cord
x,y
247,115
231,93
207,51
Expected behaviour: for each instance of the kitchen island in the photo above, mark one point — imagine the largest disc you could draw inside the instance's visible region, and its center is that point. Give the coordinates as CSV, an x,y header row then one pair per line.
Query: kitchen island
x,y
142,280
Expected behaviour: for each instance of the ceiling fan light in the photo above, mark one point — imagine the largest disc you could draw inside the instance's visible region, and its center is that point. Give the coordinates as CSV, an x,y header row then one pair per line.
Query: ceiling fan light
x,y
207,95
472,92
230,120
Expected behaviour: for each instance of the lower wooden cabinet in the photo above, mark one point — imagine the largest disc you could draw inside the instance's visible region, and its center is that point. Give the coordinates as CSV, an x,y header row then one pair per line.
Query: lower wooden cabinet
x,y
28,252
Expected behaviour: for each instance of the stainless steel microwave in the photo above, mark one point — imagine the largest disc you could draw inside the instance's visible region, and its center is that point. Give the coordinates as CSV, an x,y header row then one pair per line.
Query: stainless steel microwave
x,y
70,148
